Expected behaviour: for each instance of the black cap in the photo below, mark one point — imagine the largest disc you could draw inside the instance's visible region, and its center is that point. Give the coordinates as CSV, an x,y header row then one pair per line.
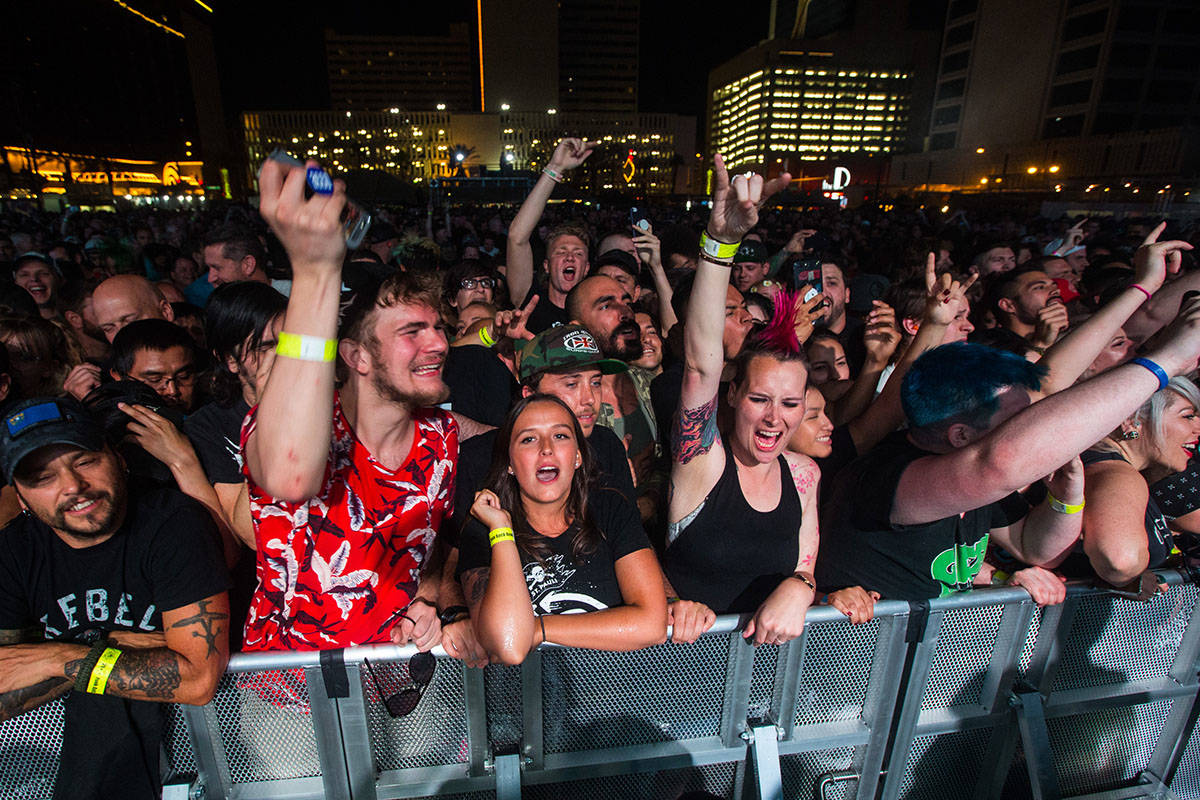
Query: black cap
x,y
618,258
36,423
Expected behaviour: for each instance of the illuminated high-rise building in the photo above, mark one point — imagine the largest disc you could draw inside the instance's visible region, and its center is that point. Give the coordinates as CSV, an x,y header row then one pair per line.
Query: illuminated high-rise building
x,y
418,72
782,100
597,55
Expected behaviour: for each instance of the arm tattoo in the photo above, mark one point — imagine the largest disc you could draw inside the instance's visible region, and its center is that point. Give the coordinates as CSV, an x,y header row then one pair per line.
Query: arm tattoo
x,y
695,432
210,625
152,673
12,636
18,701
475,583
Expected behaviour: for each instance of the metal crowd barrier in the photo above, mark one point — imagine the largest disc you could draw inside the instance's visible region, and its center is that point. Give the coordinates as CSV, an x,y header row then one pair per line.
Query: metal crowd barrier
x,y
980,695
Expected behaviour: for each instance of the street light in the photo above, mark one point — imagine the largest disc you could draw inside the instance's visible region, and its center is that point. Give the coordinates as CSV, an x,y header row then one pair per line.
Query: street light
x,y
1054,168
504,106
441,106
980,150
1031,170
458,156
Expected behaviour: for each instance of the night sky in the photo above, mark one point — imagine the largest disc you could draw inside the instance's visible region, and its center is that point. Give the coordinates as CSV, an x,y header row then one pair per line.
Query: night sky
x,y
272,55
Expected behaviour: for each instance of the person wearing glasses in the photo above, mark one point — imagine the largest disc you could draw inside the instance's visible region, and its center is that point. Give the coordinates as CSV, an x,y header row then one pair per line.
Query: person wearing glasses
x,y
161,355
469,282
550,555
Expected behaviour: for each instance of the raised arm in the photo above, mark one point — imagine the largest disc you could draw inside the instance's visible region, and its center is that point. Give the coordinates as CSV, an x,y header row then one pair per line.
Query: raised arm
x,y
569,154
287,451
650,252
945,298
696,463
1041,438
1068,359
185,670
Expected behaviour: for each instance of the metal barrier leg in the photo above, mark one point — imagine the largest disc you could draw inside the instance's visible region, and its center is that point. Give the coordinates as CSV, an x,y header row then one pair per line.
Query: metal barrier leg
x,y
508,777
356,740
1035,737
914,679
328,732
211,762
880,706
764,756
475,698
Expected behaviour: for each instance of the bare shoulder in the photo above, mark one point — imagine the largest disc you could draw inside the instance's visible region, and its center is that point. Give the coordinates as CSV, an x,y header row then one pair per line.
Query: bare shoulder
x,y
805,473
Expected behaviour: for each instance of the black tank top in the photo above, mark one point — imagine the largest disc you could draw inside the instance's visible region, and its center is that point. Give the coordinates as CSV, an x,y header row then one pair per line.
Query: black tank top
x,y
729,556
1158,535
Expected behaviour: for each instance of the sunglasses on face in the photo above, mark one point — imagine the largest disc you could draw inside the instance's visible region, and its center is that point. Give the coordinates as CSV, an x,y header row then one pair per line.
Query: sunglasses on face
x,y
420,671
482,283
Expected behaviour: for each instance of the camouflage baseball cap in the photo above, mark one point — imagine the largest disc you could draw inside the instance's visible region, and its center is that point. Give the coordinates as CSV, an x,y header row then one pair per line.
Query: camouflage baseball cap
x,y
563,348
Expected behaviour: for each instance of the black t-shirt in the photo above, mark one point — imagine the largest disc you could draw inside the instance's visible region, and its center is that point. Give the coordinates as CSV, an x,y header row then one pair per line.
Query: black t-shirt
x,y
475,458
852,342
481,387
665,391
861,547
844,453
545,315
215,432
164,557
559,584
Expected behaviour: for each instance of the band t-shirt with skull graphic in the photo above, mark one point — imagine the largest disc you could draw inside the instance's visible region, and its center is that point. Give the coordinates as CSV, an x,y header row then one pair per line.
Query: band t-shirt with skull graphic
x,y
559,584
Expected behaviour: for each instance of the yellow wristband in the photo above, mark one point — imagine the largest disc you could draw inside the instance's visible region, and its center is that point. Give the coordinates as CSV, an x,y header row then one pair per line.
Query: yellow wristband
x,y
487,340
306,348
1060,506
500,535
718,249
100,672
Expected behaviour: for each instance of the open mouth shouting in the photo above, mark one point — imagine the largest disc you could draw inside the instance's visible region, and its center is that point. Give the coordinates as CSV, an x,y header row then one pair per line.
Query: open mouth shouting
x,y
766,440
547,473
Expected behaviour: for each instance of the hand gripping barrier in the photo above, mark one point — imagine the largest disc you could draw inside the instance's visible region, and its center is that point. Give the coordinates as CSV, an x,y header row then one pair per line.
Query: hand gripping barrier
x,y
980,695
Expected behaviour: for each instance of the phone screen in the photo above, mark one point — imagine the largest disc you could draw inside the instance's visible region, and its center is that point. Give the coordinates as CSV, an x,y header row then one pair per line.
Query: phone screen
x,y
807,271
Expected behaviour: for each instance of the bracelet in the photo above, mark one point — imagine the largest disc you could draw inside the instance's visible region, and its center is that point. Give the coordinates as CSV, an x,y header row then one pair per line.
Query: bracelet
x,y
1140,288
1158,371
89,663
1061,507
715,247
552,175
484,337
100,672
542,619
306,348
722,262
500,535
807,581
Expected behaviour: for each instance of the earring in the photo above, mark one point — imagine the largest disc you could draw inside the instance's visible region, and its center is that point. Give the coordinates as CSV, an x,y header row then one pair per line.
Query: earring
x,y
510,472
1131,434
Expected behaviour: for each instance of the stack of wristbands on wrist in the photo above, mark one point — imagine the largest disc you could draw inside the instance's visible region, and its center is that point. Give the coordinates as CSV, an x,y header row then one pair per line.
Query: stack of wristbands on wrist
x,y
97,665
716,251
306,348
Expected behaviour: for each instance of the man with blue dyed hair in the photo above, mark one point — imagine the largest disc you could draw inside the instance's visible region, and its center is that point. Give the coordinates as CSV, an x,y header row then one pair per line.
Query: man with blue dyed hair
x,y
912,519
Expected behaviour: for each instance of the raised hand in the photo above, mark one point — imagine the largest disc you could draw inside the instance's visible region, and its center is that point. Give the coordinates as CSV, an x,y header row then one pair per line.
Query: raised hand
x,y
735,203
1052,320
881,337
310,230
649,249
1154,260
796,243
1180,344
512,323
570,153
944,296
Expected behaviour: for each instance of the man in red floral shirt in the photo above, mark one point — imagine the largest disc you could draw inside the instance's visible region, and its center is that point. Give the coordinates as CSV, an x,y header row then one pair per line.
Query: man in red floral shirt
x,y
346,487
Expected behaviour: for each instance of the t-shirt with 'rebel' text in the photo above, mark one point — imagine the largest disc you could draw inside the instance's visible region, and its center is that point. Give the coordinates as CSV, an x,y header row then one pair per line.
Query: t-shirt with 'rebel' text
x,y
338,569
164,556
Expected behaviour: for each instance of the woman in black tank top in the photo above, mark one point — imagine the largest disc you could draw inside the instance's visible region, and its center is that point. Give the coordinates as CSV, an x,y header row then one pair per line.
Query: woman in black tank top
x,y
742,513
1124,531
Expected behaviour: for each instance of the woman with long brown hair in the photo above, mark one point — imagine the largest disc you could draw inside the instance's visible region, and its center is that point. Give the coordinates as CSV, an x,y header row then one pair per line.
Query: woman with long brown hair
x,y
549,556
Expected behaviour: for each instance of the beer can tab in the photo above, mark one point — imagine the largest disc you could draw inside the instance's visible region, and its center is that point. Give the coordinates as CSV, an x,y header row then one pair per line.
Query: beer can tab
x,y
319,181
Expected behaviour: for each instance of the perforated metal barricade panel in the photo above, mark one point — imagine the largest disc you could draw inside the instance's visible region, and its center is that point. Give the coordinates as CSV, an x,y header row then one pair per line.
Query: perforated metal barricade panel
x,y
29,747
593,700
177,742
665,785
835,673
502,687
435,732
803,771
1187,778
1115,641
462,796
1106,748
266,726
944,767
762,680
963,656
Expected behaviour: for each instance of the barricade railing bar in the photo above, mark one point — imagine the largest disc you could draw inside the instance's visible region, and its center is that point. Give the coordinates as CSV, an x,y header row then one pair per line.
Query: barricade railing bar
x,y
980,695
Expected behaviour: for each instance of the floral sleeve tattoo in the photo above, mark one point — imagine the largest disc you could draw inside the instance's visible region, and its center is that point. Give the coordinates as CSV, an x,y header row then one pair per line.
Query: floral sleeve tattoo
x,y
695,432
